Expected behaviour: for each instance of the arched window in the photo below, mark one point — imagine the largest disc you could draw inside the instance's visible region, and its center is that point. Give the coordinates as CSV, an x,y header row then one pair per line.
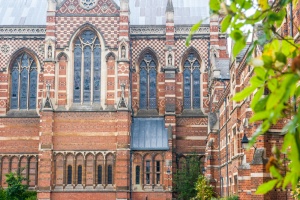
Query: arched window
x,y
79,175
137,175
109,175
191,82
148,83
69,178
23,83
99,179
87,68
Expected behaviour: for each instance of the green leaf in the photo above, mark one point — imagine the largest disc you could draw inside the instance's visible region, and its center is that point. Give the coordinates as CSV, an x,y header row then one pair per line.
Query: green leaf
x,y
214,5
244,93
266,187
275,173
257,97
260,116
281,57
193,30
236,35
238,47
225,23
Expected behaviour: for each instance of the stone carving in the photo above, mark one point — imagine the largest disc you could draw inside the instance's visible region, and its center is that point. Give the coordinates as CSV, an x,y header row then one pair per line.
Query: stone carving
x,y
170,60
88,4
41,49
187,29
5,49
140,30
122,102
22,31
123,52
49,51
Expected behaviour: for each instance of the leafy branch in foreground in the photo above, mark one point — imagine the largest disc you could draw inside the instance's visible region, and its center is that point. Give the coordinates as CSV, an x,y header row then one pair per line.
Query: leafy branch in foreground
x,y
277,69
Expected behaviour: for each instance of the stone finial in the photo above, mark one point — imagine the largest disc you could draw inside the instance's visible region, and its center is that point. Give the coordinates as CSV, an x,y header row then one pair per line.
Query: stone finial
x,y
170,7
170,12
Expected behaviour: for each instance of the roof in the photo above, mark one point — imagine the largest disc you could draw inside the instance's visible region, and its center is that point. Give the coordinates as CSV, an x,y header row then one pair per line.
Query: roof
x,y
149,134
142,12
223,65
23,12
152,12
241,55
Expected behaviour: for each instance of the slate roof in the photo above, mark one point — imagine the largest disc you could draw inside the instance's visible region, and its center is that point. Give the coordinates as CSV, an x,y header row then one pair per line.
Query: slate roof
x,y
223,65
23,12
143,12
149,134
241,55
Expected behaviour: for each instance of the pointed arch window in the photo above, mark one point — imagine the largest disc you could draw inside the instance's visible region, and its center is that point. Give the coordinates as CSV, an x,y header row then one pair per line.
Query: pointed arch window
x,y
99,178
69,178
79,175
191,82
23,83
148,82
87,68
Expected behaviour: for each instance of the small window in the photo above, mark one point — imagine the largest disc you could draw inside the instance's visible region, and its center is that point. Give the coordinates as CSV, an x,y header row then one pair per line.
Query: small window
x,y
79,174
157,172
137,175
109,175
69,174
99,181
147,172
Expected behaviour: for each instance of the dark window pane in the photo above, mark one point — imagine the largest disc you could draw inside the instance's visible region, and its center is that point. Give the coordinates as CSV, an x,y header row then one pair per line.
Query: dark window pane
x,y
109,174
97,71
147,178
196,88
147,166
137,175
77,74
158,166
15,89
32,89
187,88
79,173
23,88
143,88
152,92
69,174
157,178
99,174
87,74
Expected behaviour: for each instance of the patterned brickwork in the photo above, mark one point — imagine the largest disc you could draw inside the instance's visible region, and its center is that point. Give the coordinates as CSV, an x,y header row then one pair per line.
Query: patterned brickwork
x,y
12,46
67,26
73,7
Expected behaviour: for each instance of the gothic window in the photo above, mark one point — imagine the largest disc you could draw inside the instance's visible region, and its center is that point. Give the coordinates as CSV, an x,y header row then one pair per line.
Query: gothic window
x,y
191,79
69,178
87,68
137,175
109,175
23,83
148,83
99,181
79,174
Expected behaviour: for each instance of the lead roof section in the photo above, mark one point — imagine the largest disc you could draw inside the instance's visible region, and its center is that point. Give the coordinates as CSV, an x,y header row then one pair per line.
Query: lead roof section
x,y
149,134
142,12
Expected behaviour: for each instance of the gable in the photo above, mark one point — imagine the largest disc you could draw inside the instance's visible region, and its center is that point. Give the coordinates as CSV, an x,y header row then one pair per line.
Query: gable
x,y
88,8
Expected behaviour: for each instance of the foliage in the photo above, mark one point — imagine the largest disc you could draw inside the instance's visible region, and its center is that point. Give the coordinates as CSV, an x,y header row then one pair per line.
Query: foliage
x,y
276,68
186,177
204,190
16,190
296,192
231,198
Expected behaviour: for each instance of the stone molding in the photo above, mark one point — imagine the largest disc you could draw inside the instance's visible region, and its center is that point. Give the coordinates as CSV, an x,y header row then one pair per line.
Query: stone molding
x,y
35,32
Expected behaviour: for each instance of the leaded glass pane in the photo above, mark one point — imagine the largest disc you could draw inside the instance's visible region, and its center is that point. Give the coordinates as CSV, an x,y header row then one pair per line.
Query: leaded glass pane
x,y
196,88
97,72
99,174
69,179
152,92
143,89
88,37
137,175
77,73
23,88
109,174
79,173
87,74
187,88
14,89
32,89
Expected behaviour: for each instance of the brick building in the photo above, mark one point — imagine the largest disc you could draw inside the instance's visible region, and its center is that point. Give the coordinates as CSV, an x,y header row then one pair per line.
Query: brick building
x,y
101,99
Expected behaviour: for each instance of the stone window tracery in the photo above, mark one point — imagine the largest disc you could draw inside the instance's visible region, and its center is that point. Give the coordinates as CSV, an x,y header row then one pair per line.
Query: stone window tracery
x,y
148,74
23,83
191,82
87,68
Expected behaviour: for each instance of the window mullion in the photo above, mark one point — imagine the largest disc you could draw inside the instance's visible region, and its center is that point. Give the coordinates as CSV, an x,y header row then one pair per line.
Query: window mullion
x,y
92,75
82,74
